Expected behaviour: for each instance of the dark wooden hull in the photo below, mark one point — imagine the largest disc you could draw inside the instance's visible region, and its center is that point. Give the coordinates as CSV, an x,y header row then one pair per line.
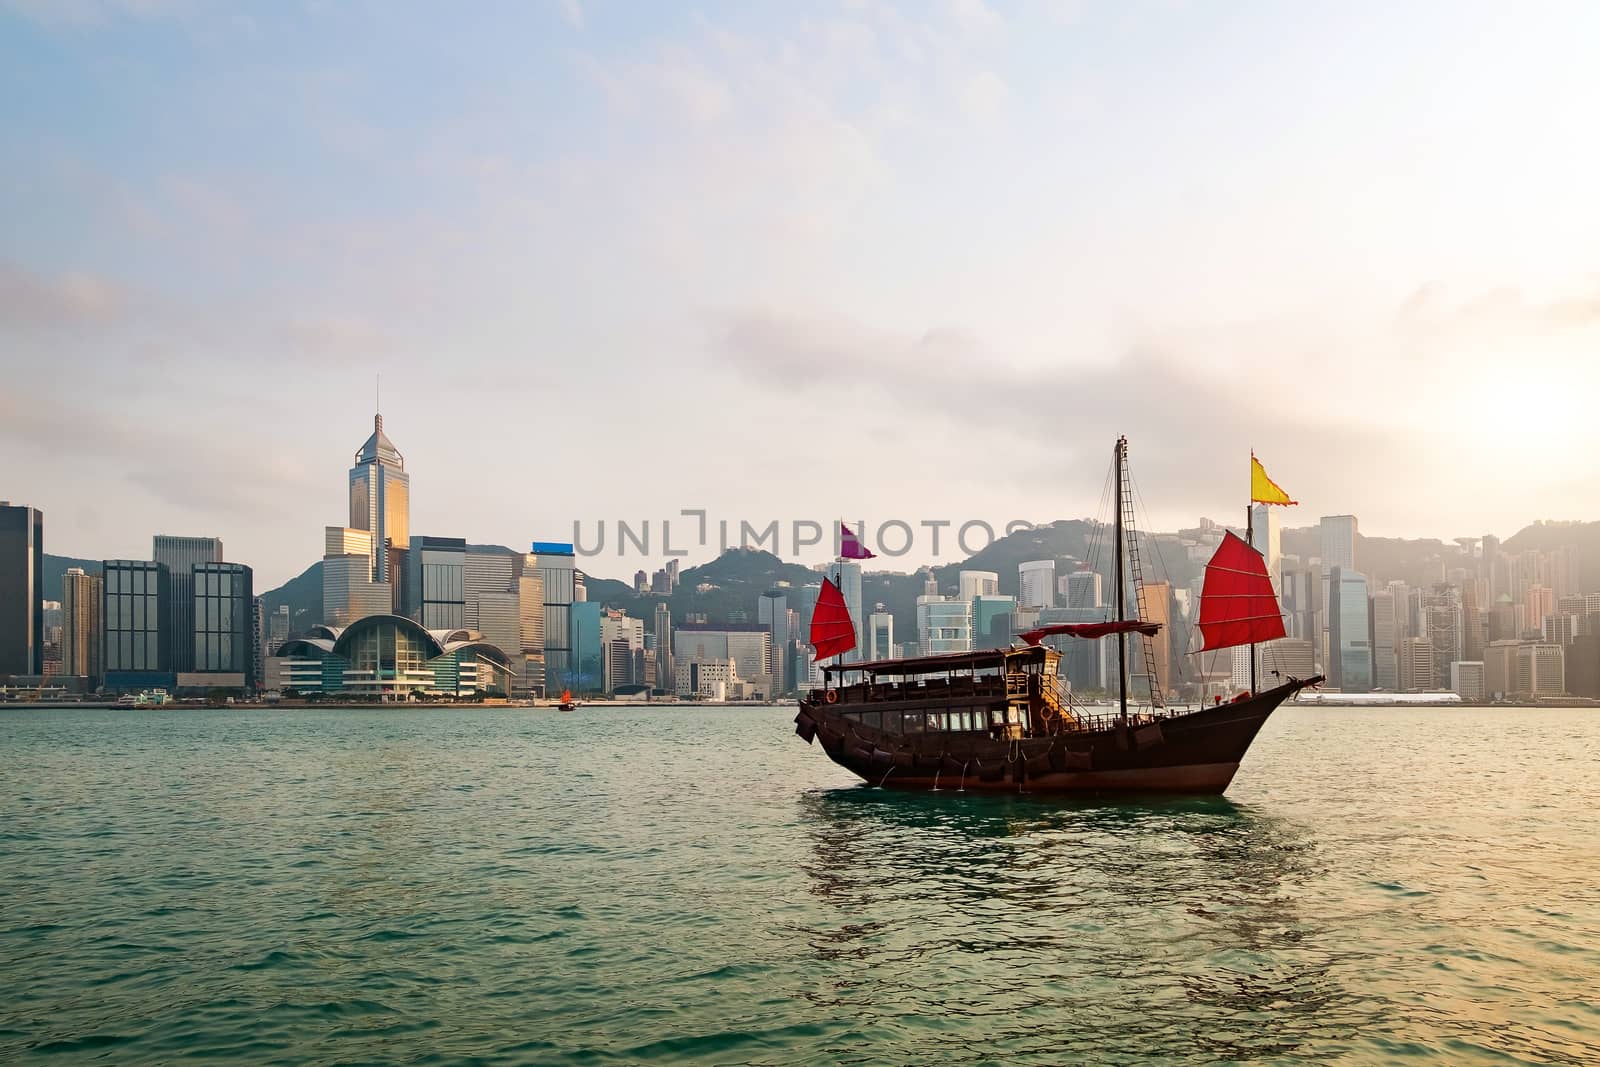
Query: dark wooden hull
x,y
1189,752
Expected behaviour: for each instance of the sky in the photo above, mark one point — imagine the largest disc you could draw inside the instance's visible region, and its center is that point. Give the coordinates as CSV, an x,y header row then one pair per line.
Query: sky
x,y
778,261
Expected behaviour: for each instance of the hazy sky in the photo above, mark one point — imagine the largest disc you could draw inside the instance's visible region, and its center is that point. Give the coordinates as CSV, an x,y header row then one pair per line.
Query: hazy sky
x,y
779,259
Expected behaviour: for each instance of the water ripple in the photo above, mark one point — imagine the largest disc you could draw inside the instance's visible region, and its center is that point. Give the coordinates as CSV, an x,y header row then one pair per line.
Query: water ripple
x,y
697,886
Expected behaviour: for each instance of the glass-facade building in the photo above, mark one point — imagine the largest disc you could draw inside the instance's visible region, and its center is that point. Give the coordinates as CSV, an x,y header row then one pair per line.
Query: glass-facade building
x,y
222,608
380,498
557,566
180,555
436,582
1349,638
137,619
21,598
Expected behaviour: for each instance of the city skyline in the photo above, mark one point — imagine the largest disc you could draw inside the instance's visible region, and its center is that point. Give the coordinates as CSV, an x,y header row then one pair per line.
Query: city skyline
x,y
885,226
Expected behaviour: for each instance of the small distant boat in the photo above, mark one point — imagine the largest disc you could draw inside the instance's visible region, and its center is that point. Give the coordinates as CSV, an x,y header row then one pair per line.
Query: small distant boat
x,y
149,698
1002,720
567,703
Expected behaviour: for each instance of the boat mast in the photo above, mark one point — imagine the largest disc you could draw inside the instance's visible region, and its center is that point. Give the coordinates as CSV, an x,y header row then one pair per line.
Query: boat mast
x,y
1250,539
1117,581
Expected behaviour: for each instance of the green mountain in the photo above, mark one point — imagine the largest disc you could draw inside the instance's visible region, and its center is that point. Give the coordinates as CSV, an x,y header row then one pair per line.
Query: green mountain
x,y
729,587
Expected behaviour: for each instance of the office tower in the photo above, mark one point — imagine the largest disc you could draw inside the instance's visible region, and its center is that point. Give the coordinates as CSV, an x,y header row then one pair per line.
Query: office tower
x,y
1416,665
660,584
136,613
21,598
1540,601
1466,680
772,611
278,628
1441,623
1349,639
665,672
1565,575
258,642
1385,661
880,635
1267,537
219,635
380,498
584,656
1540,671
179,555
1500,668
499,616
436,582
974,584
348,591
1157,608
485,572
82,631
1084,589
930,584
557,565
1036,584
641,582
1339,535
746,644
846,574
530,612
992,621
944,625
672,575
620,636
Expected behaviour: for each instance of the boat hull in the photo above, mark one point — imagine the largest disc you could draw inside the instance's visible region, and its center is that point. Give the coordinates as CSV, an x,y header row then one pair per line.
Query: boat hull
x,y
1195,752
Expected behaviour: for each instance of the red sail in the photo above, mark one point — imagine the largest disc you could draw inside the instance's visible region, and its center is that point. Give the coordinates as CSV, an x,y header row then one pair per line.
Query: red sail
x,y
832,632
1091,630
1237,604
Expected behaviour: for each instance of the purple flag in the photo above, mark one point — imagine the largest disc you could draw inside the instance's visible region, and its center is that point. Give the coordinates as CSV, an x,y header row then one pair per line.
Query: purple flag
x,y
850,546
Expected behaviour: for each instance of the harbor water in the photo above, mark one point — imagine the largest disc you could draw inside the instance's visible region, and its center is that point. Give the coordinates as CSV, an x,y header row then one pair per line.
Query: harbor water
x,y
697,885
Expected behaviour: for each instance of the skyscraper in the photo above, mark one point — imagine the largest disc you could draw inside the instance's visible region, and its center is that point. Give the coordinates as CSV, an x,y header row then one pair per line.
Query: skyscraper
x,y
1084,589
21,598
1036,584
483,573
380,497
81,627
880,635
846,574
1385,639
530,613
348,591
219,636
665,671
557,565
978,583
1349,639
773,612
137,613
179,555
1267,538
1339,535
438,581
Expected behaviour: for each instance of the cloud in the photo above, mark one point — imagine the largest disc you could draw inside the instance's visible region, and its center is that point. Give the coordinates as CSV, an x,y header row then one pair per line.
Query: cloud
x,y
572,11
983,96
72,299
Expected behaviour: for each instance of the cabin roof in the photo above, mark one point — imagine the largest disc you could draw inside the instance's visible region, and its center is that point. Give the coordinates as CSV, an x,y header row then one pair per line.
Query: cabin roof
x,y
945,661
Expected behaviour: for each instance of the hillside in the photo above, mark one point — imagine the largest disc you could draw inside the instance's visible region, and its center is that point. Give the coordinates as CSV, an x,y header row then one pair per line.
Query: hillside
x,y
733,582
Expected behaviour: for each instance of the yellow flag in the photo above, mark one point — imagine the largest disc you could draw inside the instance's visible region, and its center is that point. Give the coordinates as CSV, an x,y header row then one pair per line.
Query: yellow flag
x,y
1264,490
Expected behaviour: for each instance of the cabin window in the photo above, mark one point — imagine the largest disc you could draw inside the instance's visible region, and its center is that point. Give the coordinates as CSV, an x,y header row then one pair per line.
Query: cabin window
x,y
966,721
873,719
913,722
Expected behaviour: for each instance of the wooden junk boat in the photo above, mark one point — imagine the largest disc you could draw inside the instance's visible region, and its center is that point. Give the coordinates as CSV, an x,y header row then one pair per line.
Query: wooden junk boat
x,y
1003,720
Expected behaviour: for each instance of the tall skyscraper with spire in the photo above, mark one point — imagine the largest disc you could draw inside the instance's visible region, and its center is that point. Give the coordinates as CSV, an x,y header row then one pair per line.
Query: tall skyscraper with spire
x,y
380,498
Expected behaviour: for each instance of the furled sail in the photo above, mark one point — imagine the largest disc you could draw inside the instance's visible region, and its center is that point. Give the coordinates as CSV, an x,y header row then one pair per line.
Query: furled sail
x,y
832,632
1237,604
1089,631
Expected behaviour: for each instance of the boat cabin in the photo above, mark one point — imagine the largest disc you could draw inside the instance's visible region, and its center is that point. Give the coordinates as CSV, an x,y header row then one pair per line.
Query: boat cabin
x,y
999,693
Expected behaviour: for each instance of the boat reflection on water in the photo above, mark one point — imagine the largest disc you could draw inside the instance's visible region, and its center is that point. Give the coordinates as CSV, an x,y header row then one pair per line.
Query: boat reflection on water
x,y
1089,930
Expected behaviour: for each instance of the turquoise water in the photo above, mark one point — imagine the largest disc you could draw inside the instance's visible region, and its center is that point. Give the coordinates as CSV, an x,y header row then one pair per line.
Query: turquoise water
x,y
507,886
